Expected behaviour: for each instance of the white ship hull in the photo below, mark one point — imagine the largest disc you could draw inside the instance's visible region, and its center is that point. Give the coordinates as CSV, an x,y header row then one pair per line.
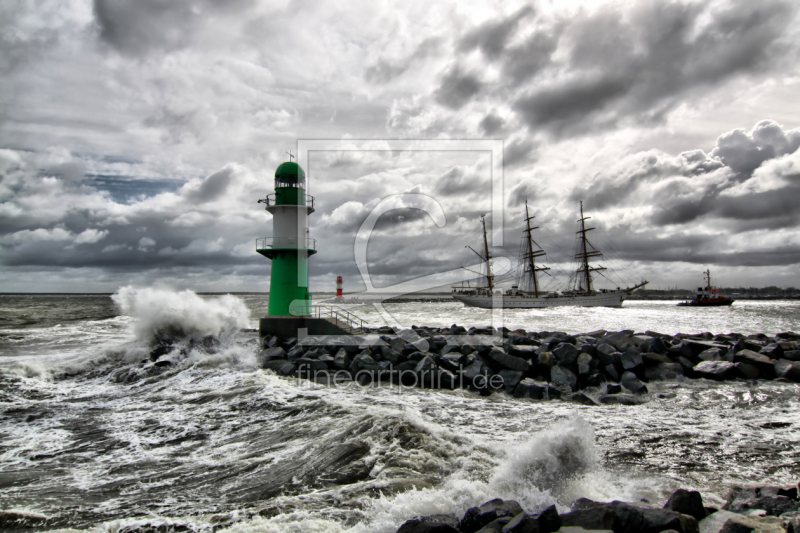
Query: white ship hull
x,y
605,299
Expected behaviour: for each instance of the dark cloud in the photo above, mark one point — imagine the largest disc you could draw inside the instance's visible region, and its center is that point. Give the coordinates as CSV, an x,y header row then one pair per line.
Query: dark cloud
x,y
461,181
136,28
385,70
491,36
619,65
213,186
492,123
518,151
457,88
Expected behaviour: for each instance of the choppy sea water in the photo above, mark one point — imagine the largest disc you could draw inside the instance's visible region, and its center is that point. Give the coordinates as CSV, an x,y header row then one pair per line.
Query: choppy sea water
x,y
216,442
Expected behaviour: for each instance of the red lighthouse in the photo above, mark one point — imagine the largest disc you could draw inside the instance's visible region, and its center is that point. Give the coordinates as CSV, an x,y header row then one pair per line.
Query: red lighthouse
x,y
339,294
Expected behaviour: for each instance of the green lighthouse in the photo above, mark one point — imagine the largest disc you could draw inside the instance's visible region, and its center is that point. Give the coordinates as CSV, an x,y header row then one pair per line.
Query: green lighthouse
x,y
290,245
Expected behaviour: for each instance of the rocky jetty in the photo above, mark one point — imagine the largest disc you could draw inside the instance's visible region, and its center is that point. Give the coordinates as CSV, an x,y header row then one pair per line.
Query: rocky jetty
x,y
757,509
615,366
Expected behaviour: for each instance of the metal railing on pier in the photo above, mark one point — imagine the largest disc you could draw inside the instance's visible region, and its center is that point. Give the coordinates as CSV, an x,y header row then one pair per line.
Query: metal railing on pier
x,y
339,315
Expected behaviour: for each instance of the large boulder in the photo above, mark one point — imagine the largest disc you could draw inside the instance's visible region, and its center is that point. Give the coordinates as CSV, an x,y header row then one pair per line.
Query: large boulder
x,y
765,365
584,364
655,359
712,354
566,354
631,360
688,502
508,361
440,523
728,522
633,519
632,383
526,352
789,370
664,372
773,351
511,379
716,370
529,388
560,375
478,517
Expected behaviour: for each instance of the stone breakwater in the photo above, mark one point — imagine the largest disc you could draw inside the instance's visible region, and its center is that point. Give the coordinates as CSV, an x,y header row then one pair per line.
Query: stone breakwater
x,y
757,509
598,367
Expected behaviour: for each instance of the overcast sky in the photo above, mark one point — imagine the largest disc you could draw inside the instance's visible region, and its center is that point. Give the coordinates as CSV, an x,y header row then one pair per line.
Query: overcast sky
x,y
137,136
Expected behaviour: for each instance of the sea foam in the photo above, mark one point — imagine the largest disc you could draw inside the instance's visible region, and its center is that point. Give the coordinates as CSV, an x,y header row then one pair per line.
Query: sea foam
x,y
165,314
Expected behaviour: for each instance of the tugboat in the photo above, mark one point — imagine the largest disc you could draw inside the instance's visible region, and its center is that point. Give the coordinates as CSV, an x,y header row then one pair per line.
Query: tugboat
x,y
708,297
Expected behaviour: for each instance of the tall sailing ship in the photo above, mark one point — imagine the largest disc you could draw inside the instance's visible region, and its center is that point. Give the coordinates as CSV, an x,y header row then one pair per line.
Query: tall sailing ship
x,y
527,294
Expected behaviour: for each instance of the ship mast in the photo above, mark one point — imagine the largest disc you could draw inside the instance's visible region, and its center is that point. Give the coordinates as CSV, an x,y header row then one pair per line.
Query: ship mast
x,y
488,257
586,254
532,253
485,258
708,278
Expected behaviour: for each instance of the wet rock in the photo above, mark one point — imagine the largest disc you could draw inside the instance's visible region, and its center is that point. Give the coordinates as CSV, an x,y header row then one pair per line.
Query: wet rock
x,y
612,372
163,347
598,517
746,371
511,379
529,388
548,520
712,354
546,360
621,399
792,355
451,361
478,517
682,349
773,351
789,370
342,359
717,370
495,526
630,360
155,526
361,361
632,519
294,353
655,359
526,352
426,364
508,361
606,354
664,372
772,505
431,524
563,376
282,367
617,340
276,352
632,383
764,364
613,388
728,522
522,523
581,398
688,502
584,364
566,354
307,367
655,345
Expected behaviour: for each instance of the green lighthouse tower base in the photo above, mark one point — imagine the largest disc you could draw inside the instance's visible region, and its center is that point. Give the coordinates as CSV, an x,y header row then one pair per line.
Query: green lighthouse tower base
x,y
290,311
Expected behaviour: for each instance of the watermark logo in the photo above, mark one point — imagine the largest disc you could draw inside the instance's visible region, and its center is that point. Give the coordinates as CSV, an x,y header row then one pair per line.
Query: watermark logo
x,y
375,295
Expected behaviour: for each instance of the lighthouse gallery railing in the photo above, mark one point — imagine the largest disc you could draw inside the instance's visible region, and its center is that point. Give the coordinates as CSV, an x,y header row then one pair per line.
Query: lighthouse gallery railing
x,y
291,243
